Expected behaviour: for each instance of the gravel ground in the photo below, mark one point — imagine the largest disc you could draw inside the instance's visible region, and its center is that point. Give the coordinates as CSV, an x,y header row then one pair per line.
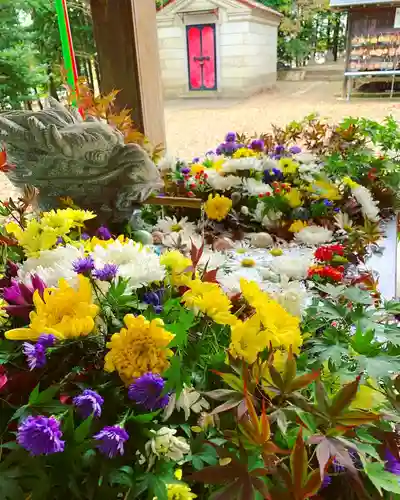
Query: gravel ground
x,y
196,125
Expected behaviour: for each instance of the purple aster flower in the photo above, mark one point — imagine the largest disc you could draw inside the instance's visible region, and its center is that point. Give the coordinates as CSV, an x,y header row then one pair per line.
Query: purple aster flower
x,y
154,299
218,151
327,203
85,237
47,340
40,435
326,481
279,149
111,440
196,160
84,265
59,241
336,209
185,170
257,144
104,233
210,153
147,392
35,355
230,137
106,273
20,296
392,463
88,403
295,150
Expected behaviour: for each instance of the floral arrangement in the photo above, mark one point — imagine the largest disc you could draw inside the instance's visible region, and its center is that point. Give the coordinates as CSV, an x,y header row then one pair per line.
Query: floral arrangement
x,y
130,371
291,191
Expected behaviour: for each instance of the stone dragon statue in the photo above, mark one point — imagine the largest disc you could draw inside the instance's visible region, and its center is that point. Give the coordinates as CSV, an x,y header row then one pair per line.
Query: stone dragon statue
x,y
64,155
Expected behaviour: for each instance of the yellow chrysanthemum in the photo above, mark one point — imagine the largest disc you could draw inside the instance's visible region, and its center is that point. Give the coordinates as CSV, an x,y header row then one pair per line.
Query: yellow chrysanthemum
x,y
244,153
325,190
67,217
297,226
281,328
139,348
64,312
348,181
217,207
90,245
179,491
367,398
247,339
43,234
293,197
179,266
288,166
209,299
3,312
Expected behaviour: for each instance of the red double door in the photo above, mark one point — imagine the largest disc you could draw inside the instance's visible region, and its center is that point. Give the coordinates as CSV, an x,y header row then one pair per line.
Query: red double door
x,y
202,57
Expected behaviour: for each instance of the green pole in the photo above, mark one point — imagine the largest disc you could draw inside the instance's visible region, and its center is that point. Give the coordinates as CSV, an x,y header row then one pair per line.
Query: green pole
x,y
67,46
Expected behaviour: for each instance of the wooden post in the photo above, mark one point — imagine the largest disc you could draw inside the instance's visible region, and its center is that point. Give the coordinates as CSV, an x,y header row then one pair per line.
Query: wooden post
x,y
127,46
346,90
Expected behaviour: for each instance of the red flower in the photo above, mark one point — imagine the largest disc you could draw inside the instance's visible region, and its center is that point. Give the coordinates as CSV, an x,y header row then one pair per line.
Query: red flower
x,y
326,253
329,272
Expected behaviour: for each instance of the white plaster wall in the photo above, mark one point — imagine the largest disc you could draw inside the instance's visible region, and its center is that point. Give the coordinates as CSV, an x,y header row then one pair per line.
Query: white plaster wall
x,y
246,54
248,57
173,54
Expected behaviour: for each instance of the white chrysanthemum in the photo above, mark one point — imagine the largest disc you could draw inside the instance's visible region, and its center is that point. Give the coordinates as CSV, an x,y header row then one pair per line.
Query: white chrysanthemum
x,y
237,164
309,171
253,187
343,221
220,182
292,296
292,266
52,265
168,225
174,240
304,157
137,263
314,235
249,265
167,163
369,206
212,260
270,163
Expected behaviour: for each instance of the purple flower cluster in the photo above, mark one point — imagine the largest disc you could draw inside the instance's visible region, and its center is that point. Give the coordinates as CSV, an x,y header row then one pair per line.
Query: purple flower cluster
x,y
20,296
40,435
88,403
106,273
36,353
257,145
272,175
84,266
147,391
154,298
392,463
104,233
111,440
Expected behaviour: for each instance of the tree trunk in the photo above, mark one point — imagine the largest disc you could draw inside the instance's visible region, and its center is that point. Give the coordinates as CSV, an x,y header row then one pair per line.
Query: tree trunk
x,y
328,33
52,84
38,99
89,74
336,33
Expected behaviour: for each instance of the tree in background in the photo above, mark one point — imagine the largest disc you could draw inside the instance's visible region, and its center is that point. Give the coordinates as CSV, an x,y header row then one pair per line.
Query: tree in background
x,y
308,26
20,73
30,49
